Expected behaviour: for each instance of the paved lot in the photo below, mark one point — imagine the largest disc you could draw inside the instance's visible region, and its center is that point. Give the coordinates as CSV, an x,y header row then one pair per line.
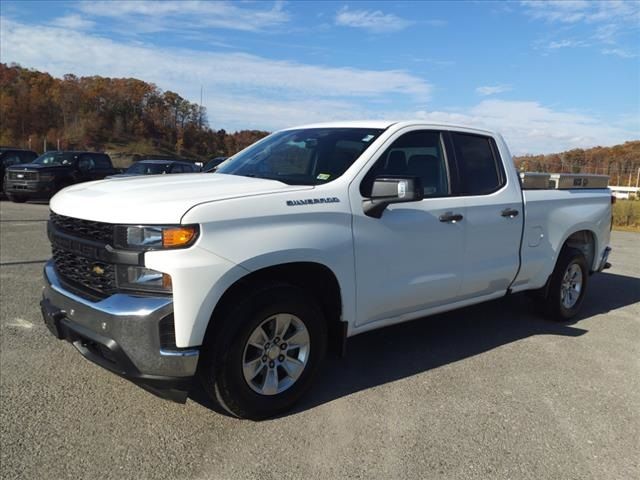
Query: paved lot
x,y
485,392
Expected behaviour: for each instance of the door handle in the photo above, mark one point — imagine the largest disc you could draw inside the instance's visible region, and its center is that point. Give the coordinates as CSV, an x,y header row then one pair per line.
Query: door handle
x,y
509,212
450,217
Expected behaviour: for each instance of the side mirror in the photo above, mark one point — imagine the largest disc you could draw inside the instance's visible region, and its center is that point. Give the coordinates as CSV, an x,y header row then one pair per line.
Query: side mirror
x,y
390,190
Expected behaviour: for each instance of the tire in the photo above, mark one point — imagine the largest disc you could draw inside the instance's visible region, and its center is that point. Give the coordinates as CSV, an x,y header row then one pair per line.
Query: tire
x,y
17,198
227,354
562,302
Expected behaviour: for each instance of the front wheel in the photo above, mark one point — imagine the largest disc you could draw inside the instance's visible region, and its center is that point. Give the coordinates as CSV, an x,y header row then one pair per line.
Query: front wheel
x,y
17,198
567,285
262,356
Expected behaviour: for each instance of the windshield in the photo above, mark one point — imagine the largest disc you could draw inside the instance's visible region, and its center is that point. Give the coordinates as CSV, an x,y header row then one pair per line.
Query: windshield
x,y
302,157
149,168
55,158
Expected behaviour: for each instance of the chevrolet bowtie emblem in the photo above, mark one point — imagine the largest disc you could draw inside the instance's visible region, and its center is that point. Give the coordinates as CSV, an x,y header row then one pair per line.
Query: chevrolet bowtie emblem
x,y
98,270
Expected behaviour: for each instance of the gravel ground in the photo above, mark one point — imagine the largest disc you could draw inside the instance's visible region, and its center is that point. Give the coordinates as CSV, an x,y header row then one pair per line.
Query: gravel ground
x,y
491,391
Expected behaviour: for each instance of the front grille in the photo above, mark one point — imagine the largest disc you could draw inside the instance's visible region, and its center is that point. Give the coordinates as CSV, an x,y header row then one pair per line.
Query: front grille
x,y
23,175
88,229
84,272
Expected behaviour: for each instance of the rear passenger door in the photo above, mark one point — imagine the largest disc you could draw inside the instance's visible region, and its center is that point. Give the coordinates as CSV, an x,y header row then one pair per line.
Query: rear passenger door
x,y
493,217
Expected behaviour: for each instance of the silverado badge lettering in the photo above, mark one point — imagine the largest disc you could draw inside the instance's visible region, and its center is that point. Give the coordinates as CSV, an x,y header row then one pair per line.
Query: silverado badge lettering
x,y
312,201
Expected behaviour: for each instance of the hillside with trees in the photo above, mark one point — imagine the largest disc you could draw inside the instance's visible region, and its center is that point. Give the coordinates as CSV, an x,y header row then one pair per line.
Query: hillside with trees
x,y
114,114
131,118
620,162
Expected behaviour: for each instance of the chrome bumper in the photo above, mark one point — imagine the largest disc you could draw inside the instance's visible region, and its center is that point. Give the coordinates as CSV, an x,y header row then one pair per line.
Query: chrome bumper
x,y
121,334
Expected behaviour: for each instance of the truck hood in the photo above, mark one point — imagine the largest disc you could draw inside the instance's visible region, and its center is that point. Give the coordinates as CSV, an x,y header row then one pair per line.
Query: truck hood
x,y
157,199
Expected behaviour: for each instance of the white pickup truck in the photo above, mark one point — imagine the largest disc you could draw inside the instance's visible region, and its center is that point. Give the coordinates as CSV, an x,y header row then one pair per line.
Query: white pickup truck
x,y
246,277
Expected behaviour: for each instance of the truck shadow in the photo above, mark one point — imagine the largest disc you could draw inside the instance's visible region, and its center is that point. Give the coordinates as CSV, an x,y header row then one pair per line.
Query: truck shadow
x,y
404,350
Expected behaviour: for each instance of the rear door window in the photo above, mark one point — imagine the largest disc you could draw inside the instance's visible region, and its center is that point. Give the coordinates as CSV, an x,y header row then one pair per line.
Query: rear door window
x,y
480,168
86,163
101,161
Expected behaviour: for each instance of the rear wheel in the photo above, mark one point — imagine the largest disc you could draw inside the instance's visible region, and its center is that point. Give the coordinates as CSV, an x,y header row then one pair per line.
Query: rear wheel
x,y
263,354
567,285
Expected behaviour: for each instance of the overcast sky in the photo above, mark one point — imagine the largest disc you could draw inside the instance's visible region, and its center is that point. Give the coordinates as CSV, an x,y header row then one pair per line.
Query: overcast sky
x,y
549,75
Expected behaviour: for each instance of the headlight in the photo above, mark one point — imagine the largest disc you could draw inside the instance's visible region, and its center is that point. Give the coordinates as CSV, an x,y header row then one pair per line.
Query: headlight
x,y
136,278
155,237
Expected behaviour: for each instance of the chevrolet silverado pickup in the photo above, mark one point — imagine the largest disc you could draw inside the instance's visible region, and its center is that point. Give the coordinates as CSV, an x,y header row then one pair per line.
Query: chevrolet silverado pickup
x,y
245,278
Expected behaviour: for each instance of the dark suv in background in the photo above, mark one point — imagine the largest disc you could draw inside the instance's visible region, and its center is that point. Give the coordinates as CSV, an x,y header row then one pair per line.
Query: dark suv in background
x,y
14,156
157,167
52,171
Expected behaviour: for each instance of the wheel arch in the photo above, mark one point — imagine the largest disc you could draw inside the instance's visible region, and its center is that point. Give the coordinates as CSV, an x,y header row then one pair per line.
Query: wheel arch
x,y
316,278
584,240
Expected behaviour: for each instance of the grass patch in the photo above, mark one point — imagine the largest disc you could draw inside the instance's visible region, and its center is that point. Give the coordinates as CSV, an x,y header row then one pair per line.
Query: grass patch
x,y
626,215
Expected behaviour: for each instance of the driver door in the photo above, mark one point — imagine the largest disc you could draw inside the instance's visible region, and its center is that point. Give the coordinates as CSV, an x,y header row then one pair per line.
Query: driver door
x,y
410,260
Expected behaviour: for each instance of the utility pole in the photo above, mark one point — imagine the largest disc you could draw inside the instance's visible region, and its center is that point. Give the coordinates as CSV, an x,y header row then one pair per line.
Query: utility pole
x,y
29,142
200,109
45,145
58,144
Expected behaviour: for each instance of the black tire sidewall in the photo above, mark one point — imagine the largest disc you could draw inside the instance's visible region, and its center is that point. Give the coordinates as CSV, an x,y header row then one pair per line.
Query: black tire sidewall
x,y
555,308
230,386
17,198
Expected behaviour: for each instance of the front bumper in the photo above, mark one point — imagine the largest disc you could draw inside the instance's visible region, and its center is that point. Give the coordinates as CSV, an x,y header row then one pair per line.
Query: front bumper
x,y
121,334
30,188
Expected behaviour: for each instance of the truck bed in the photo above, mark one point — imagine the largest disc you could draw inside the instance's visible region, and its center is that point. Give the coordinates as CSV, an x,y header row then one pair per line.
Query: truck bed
x,y
547,214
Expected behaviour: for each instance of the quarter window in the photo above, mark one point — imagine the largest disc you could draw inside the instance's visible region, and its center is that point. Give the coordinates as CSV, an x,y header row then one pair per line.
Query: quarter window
x,y
418,154
480,171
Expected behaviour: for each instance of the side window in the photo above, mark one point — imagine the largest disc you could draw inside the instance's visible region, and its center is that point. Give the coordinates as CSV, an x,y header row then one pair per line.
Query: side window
x,y
86,163
101,161
481,172
418,154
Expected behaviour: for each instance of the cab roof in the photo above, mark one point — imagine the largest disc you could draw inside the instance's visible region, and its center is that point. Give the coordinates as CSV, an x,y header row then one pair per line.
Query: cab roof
x,y
384,124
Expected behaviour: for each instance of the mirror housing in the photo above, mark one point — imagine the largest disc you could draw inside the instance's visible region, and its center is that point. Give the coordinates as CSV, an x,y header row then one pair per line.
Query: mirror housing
x,y
390,190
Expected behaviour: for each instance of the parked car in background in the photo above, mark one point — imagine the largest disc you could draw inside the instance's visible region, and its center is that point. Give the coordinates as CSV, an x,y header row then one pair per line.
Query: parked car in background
x,y
157,167
213,164
14,156
53,171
